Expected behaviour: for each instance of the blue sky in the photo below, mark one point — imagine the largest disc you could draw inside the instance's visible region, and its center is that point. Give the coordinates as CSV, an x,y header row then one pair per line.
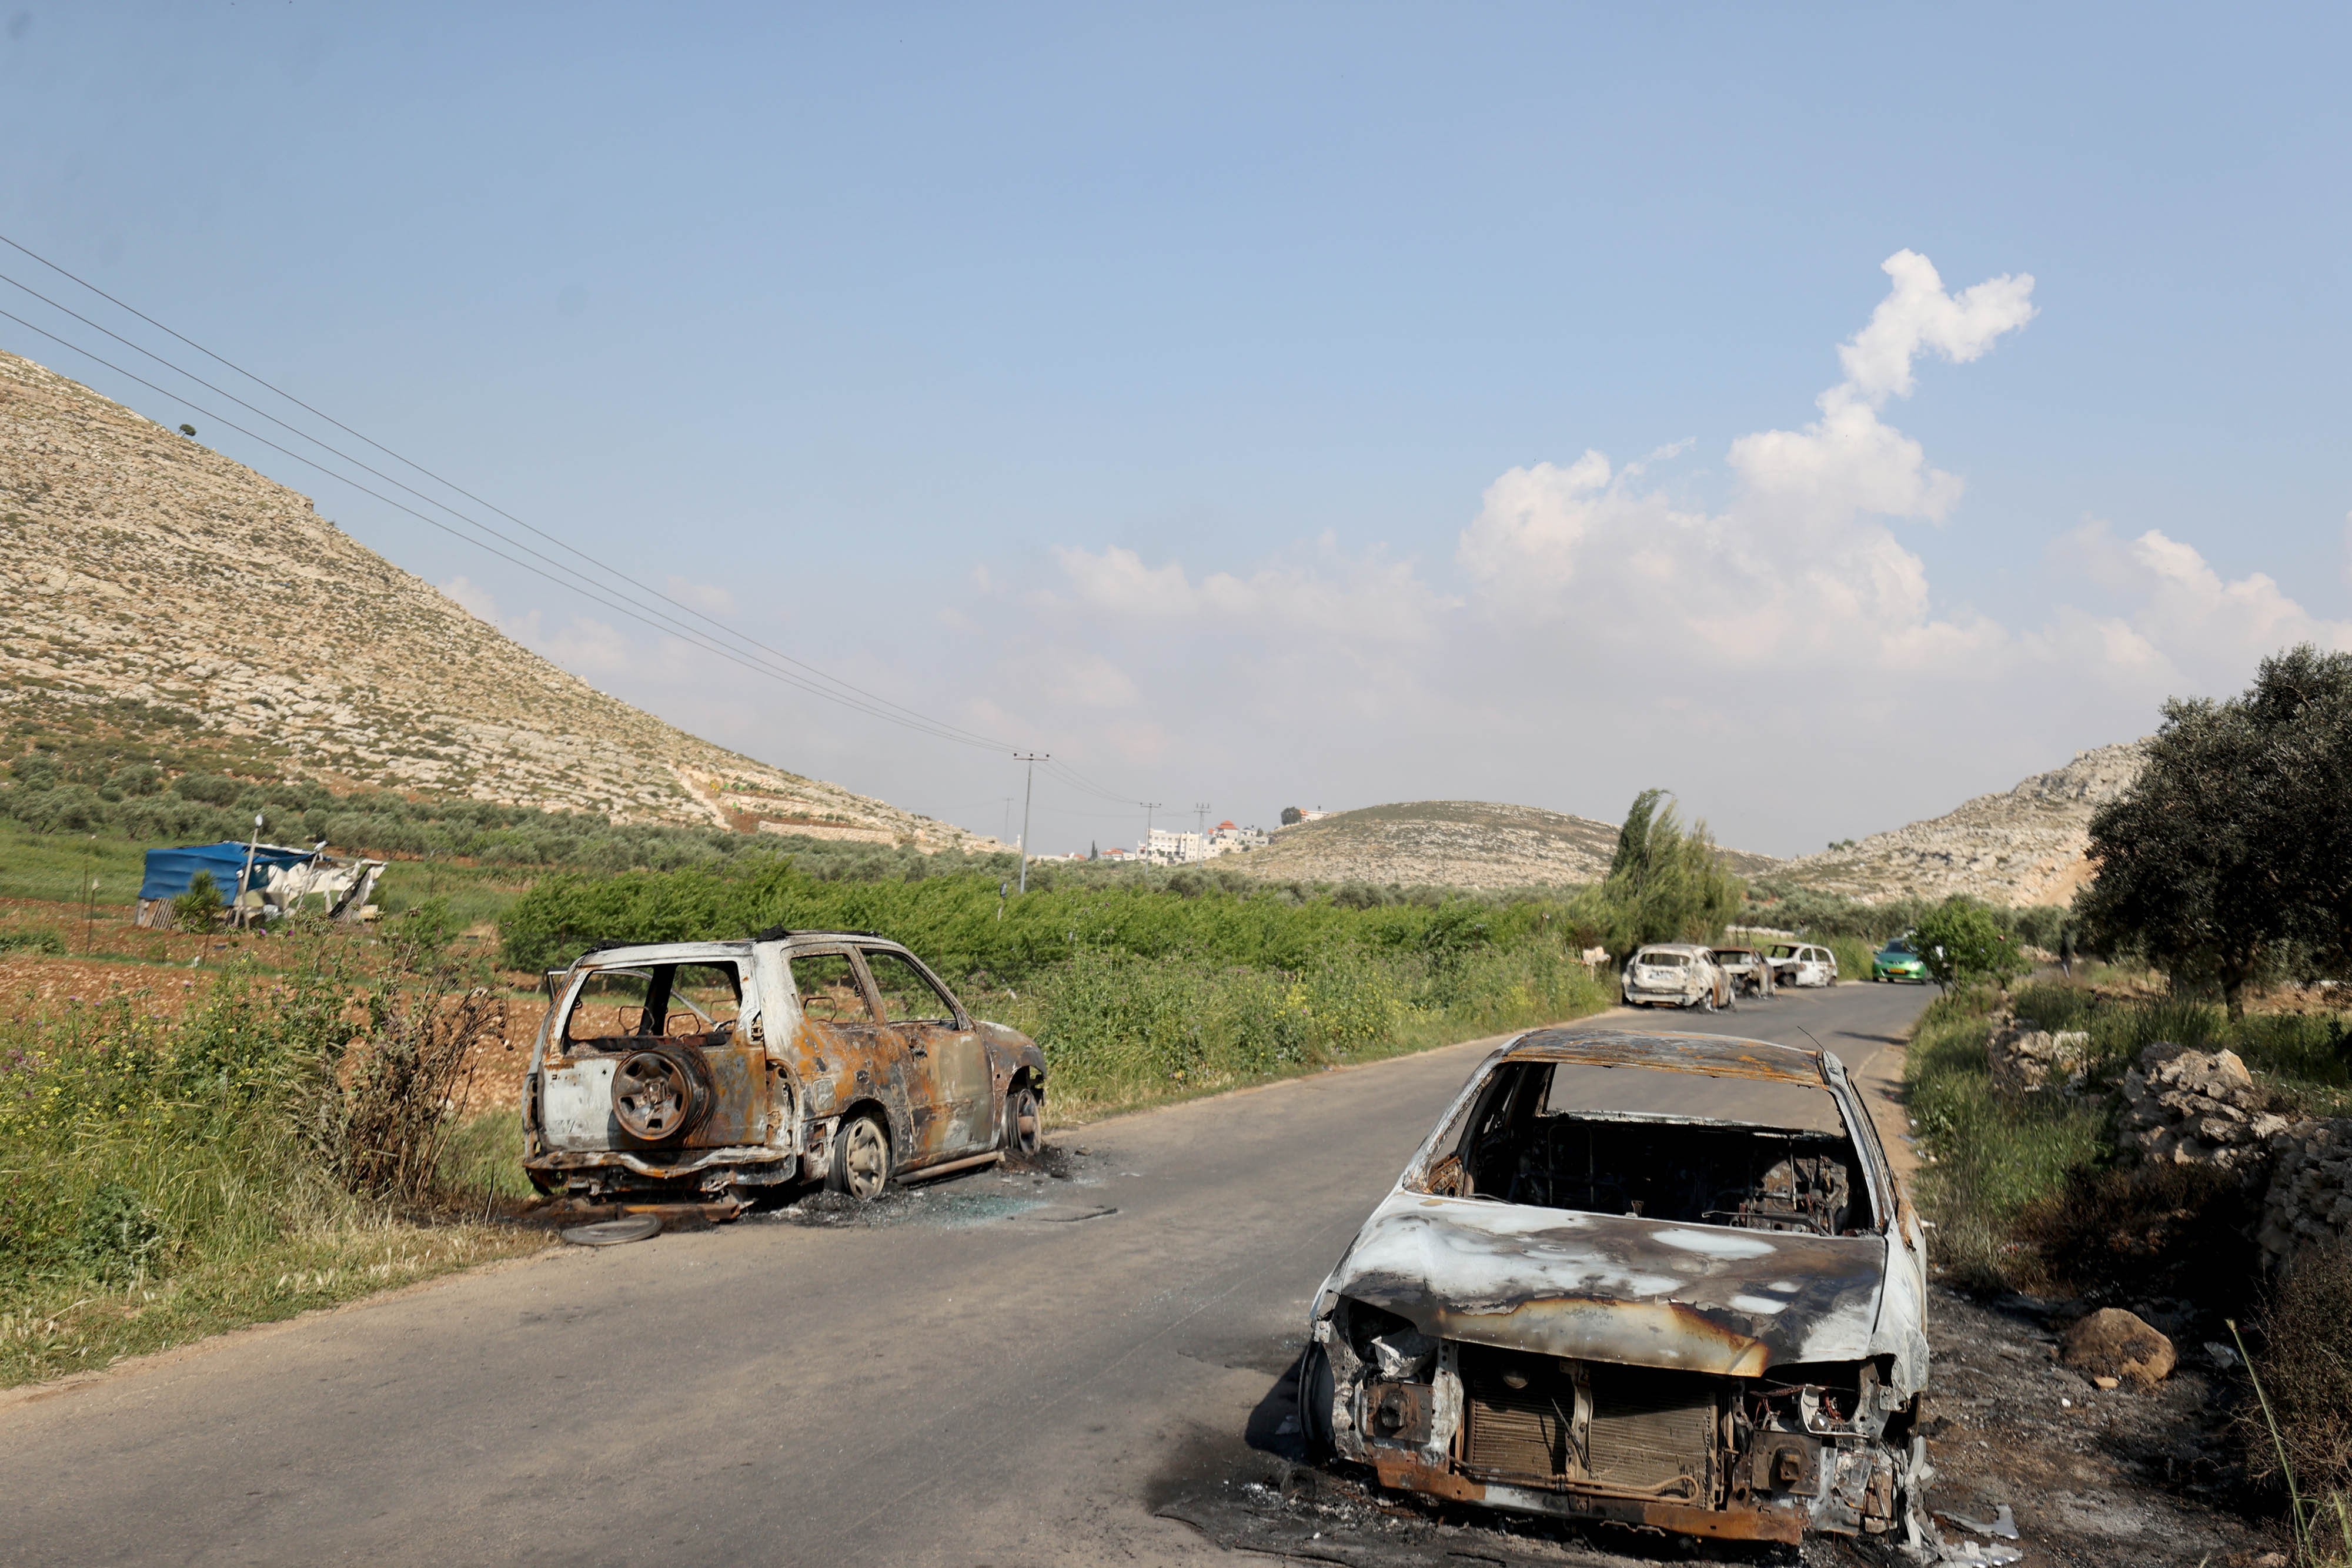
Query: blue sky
x,y
1143,386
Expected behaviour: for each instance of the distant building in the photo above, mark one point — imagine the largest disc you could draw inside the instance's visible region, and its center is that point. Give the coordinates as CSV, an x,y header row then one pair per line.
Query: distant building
x,y
1164,848
1292,816
1231,840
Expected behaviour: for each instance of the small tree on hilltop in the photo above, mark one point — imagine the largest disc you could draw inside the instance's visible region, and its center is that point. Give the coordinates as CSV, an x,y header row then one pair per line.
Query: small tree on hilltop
x,y
1961,942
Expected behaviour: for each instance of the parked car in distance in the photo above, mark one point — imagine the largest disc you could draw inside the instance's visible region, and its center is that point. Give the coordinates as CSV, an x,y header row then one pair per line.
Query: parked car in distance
x,y
717,1070
1667,1280
1803,964
1899,960
1750,971
1674,975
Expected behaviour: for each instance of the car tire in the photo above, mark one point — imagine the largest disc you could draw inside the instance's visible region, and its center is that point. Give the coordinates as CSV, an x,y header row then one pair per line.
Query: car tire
x,y
1313,1397
861,1166
1022,1106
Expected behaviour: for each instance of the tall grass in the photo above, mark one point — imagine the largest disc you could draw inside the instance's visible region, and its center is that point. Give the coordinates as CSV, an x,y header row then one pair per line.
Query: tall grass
x,y
163,1180
1989,1157
1120,1030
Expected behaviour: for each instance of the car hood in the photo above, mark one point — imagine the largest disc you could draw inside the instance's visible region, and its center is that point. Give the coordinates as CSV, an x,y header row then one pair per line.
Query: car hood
x,y
1617,1287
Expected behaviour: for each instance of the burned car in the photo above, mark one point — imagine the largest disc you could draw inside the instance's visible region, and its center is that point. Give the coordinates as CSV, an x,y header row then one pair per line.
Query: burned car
x,y
1803,964
1674,975
718,1071
1750,971
1665,1279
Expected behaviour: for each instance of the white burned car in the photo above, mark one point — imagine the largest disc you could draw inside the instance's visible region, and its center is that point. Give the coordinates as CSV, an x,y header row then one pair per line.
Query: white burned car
x,y
1666,1280
1803,964
1674,975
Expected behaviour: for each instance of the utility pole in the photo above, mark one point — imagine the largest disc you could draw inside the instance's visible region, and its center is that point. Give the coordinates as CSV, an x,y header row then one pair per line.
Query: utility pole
x,y
1031,758
1148,807
1201,816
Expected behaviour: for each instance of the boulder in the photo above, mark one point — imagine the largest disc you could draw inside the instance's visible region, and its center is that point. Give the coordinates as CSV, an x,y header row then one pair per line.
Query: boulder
x,y
2111,1342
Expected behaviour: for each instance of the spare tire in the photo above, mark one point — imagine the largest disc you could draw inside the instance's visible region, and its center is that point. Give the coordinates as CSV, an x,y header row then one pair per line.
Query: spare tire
x,y
662,1092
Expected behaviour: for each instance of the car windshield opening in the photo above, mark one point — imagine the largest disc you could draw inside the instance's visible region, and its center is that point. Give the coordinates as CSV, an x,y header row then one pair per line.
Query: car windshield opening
x,y
1693,1148
1664,960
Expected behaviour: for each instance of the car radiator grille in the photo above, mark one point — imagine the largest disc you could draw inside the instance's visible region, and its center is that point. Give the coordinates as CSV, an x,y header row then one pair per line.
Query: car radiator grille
x,y
1652,1432
1520,1432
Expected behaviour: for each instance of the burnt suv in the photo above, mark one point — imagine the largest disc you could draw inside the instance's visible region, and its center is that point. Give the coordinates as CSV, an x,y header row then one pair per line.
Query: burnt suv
x,y
719,1069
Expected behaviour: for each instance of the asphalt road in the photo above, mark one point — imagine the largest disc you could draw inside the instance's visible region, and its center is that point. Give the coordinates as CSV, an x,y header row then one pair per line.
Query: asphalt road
x,y
998,1371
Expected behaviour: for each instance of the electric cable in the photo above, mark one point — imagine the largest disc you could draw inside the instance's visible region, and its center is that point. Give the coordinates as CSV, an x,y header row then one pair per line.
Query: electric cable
x,y
888,708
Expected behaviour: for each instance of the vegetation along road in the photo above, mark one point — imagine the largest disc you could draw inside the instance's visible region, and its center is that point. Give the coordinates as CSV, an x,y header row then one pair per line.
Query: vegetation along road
x,y
1048,1367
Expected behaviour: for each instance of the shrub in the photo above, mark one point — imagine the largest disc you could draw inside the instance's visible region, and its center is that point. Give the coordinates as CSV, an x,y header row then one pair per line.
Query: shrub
x,y
200,906
2301,1351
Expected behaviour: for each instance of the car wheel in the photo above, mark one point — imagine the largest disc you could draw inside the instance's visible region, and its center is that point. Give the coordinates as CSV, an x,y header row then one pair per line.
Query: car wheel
x,y
1024,1129
861,1159
1314,1396
662,1092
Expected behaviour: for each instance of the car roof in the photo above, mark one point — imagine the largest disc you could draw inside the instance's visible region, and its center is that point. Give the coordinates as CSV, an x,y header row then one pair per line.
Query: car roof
x,y
622,956
1674,947
1722,1055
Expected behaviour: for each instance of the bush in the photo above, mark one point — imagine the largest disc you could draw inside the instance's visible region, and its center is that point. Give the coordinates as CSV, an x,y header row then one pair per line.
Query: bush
x,y
1962,944
200,906
2302,1353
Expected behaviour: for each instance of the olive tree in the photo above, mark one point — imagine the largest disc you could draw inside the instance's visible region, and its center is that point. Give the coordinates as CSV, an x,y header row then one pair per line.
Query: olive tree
x,y
2232,845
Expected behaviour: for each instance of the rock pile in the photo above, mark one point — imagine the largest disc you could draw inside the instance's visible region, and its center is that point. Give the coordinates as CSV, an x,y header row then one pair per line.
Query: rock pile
x,y
2028,1060
2310,1197
2196,1107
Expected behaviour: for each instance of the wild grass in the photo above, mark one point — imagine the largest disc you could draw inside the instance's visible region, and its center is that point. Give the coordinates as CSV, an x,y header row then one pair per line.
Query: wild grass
x,y
2301,1379
1120,1031
1989,1158
285,1147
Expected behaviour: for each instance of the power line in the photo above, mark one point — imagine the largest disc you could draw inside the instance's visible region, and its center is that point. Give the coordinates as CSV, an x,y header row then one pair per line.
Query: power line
x,y
873,703
627,580
590,592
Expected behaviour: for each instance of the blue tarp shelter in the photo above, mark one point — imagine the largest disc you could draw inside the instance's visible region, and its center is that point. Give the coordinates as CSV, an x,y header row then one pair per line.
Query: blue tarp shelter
x,y
169,871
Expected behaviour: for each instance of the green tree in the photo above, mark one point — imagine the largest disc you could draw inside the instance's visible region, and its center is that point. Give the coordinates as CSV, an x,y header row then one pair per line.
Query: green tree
x,y
2232,843
1665,883
1961,942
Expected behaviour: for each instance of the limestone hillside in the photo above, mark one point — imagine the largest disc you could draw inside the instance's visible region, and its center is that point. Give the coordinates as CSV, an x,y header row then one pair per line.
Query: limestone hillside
x,y
153,590
2022,846
1454,843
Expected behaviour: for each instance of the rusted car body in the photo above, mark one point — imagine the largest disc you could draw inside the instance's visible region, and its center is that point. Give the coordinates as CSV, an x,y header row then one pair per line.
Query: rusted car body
x,y
1665,1279
1674,975
1750,971
714,1070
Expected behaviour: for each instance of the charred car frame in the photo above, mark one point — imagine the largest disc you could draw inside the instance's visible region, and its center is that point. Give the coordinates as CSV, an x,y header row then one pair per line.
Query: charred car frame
x,y
714,1070
1664,1280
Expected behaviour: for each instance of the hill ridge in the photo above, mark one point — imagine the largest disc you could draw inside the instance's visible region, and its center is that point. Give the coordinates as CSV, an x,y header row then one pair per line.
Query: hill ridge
x,y
159,588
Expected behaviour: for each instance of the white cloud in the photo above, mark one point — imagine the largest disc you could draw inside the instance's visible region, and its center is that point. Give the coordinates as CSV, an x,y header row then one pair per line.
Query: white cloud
x,y
1917,315
703,596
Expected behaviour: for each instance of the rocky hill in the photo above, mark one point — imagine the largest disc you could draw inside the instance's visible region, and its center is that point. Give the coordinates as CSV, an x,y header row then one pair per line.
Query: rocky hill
x,y
2022,846
1453,843
154,590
